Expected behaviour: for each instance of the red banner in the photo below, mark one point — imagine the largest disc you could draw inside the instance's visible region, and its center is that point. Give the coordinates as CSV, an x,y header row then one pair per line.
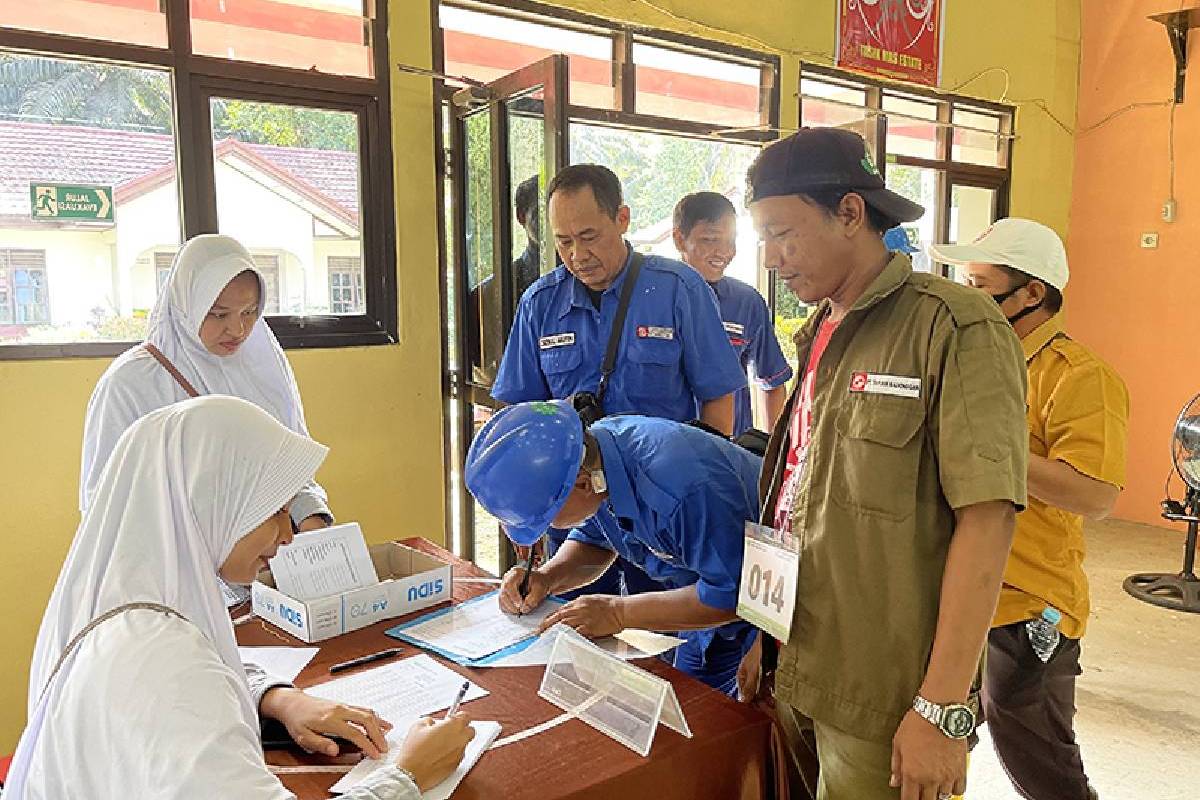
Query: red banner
x,y
900,39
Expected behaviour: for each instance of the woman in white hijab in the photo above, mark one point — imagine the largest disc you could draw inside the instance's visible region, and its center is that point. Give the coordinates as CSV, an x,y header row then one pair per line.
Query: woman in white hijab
x,y
207,336
136,688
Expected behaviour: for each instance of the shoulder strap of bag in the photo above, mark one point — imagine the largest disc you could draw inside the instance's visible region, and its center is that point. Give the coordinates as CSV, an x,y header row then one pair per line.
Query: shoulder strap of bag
x,y
107,615
618,326
171,368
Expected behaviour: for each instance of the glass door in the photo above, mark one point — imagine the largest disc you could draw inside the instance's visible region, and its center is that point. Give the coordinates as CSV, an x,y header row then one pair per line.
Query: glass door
x,y
507,142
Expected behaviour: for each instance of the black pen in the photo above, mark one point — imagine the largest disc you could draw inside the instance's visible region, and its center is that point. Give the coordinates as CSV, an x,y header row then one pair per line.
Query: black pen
x,y
523,589
368,659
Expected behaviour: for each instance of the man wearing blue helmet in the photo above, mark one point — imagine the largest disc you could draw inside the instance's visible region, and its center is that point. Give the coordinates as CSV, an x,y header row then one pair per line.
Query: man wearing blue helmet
x,y
668,497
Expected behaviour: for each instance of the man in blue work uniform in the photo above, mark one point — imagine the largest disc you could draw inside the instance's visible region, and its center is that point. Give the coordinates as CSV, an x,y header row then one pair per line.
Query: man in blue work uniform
x,y
705,233
673,360
669,497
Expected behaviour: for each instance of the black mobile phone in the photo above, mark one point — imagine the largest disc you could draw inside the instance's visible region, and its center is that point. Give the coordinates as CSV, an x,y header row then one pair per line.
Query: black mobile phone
x,y
275,736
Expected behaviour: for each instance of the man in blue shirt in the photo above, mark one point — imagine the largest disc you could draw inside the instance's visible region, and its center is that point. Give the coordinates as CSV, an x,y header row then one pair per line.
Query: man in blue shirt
x,y
669,497
705,234
673,361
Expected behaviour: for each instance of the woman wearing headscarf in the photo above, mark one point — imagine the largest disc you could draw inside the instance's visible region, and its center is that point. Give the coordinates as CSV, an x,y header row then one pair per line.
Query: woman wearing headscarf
x,y
207,335
136,689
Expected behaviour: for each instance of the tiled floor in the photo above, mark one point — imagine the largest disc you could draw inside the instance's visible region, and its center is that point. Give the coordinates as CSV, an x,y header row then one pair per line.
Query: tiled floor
x,y
1139,716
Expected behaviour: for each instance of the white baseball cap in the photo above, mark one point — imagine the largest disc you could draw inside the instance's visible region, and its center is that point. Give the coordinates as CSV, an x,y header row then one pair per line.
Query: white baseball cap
x,y
1022,244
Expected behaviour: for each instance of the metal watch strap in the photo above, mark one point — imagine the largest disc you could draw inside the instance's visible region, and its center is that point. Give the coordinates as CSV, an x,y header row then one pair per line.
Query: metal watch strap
x,y
929,711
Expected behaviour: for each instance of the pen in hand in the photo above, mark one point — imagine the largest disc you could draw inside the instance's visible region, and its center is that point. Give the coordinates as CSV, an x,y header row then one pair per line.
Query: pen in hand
x,y
458,698
523,589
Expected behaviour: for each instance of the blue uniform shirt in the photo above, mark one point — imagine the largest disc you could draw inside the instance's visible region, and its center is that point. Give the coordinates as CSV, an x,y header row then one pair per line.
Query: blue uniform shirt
x,y
678,501
747,321
674,354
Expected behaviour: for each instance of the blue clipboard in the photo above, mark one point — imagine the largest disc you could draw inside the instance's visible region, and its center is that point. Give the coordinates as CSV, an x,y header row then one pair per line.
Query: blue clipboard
x,y
398,632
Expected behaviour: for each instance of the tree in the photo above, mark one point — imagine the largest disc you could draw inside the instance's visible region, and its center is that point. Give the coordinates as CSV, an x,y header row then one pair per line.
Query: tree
x,y
285,126
36,88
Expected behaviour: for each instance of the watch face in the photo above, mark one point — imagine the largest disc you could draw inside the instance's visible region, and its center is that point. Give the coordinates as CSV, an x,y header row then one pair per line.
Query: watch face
x,y
958,722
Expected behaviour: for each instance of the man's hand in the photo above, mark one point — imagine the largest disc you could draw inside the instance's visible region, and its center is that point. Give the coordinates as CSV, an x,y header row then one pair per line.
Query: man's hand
x,y
749,674
926,764
310,720
593,615
510,594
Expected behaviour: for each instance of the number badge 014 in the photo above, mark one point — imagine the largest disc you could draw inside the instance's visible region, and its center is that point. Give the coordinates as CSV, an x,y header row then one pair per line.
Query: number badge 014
x,y
770,566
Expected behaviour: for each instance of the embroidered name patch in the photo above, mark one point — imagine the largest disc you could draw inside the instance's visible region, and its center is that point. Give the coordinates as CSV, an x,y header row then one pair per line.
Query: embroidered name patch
x,y
895,385
556,340
655,332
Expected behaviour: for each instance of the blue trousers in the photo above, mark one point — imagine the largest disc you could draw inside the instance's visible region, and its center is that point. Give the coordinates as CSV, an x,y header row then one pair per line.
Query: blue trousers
x,y
716,665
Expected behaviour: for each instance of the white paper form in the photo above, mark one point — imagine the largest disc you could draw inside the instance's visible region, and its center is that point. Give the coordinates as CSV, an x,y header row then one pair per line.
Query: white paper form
x,y
401,691
279,662
478,629
628,645
485,734
324,562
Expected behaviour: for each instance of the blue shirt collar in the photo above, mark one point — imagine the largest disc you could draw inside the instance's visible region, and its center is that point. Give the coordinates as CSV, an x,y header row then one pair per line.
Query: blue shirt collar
x,y
579,292
620,488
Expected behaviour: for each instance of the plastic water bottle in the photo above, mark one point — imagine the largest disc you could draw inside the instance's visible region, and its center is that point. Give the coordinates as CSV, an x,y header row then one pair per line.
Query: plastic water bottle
x,y
1043,633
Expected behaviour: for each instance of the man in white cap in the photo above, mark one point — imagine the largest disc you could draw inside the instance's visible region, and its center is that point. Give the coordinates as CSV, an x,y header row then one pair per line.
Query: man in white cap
x,y
1078,411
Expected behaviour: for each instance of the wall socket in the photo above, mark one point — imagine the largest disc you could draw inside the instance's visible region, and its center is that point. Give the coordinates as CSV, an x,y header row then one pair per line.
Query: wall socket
x,y
1168,211
1149,241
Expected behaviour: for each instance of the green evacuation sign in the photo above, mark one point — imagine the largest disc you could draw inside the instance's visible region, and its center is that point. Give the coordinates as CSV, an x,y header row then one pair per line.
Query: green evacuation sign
x,y
51,201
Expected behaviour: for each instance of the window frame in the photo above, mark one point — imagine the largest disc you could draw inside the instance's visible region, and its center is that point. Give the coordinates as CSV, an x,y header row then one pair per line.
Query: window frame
x,y
10,285
624,112
355,273
950,172
195,79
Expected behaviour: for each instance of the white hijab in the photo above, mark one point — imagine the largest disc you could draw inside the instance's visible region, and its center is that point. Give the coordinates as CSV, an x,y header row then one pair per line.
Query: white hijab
x,y
184,484
134,385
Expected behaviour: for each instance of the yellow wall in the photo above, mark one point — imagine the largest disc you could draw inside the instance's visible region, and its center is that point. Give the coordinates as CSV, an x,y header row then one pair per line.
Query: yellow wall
x,y
380,408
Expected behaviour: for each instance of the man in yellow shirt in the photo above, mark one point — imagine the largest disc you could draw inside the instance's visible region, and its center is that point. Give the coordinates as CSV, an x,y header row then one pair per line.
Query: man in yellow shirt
x,y
1078,411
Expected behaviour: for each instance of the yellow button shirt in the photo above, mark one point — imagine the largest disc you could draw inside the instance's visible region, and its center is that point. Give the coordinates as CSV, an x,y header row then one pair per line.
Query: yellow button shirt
x,y
1078,413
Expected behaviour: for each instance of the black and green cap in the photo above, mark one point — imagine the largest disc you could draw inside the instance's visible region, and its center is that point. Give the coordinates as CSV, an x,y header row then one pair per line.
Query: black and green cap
x,y
825,158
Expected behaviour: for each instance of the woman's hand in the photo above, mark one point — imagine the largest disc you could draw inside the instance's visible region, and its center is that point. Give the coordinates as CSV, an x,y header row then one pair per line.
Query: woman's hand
x,y
433,749
312,523
310,720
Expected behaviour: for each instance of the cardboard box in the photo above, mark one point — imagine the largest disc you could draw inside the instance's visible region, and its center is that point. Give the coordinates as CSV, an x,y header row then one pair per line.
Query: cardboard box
x,y
409,580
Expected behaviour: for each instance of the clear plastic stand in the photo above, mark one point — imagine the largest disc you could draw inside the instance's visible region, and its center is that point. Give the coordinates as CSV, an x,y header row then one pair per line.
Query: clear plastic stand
x,y
615,697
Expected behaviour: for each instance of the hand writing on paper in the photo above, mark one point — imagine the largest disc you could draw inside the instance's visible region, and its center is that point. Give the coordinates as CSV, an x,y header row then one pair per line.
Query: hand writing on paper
x,y
925,762
592,615
310,720
510,591
432,750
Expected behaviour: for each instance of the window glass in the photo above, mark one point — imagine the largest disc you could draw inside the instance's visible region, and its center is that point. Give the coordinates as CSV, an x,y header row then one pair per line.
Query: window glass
x,y
330,36
287,180
89,185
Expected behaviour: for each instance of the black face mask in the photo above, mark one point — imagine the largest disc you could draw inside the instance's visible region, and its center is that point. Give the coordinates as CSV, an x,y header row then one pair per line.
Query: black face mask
x,y
1024,312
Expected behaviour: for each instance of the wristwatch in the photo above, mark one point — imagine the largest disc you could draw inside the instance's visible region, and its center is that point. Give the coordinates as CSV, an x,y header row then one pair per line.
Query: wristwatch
x,y
954,720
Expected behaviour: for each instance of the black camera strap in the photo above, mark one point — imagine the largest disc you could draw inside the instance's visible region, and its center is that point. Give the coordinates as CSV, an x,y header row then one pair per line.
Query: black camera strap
x,y
618,325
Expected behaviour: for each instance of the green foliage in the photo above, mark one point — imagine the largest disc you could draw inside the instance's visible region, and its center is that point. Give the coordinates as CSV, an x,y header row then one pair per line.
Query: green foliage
x,y
285,126
52,90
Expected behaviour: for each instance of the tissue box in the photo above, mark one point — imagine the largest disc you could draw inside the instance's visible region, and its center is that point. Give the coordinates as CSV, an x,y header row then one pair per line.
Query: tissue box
x,y
409,580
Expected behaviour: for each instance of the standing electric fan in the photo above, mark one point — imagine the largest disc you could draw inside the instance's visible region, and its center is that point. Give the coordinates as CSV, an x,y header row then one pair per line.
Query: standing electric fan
x,y
1179,591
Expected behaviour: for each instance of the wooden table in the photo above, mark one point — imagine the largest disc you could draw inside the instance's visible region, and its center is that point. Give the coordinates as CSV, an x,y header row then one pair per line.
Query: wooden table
x,y
728,757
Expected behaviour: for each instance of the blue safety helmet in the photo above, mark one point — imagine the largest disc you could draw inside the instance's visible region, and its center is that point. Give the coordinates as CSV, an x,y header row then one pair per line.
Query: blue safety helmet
x,y
523,464
896,239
